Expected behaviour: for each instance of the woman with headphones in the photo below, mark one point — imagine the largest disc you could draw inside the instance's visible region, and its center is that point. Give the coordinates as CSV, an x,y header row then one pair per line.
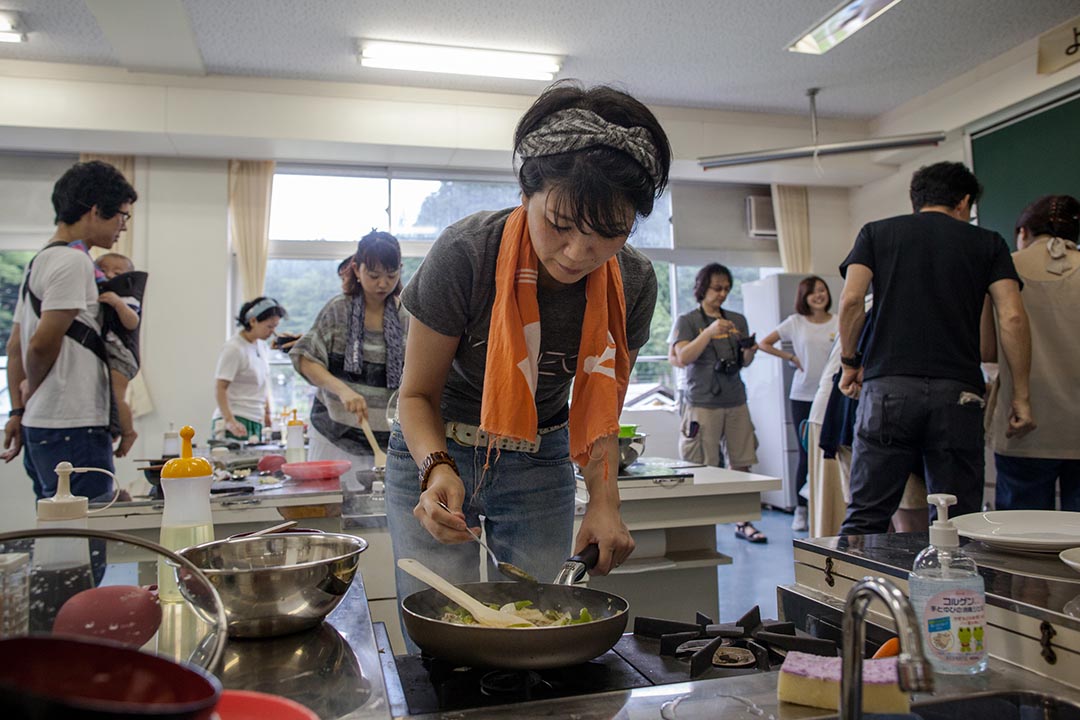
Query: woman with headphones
x,y
243,369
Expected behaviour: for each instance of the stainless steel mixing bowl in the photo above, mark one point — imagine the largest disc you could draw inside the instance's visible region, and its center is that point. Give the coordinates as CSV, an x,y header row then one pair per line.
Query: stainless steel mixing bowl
x,y
281,583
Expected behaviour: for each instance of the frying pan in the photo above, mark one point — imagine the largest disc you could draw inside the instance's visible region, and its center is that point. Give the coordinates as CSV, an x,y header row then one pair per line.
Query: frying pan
x,y
521,648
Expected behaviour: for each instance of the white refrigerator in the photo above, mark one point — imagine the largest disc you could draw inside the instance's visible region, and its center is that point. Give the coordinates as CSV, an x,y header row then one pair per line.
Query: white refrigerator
x,y
768,381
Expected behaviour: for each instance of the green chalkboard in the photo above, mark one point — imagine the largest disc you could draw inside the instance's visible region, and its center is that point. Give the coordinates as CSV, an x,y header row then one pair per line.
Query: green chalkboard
x,y
1039,155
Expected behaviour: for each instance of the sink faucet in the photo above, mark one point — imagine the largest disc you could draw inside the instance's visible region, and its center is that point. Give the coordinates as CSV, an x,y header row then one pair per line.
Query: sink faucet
x,y
912,667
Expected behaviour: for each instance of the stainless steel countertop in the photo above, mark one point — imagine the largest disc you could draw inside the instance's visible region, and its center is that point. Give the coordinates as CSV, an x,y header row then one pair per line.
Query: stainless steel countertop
x,y
333,669
740,698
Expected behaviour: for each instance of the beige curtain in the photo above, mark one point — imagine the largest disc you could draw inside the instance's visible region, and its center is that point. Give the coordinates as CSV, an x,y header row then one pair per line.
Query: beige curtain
x,y
138,394
250,182
126,165
792,211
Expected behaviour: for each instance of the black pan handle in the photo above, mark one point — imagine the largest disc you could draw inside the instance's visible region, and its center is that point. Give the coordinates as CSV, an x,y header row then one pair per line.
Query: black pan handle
x,y
587,557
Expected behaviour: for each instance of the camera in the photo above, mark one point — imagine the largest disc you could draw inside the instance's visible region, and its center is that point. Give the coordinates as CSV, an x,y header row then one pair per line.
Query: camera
x,y
282,339
726,366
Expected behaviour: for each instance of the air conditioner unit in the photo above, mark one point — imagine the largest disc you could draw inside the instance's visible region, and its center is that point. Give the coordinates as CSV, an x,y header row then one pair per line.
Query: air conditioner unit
x,y
760,221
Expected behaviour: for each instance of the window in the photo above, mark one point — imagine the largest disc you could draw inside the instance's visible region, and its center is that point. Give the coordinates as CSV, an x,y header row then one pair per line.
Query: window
x,y
318,215
12,266
652,365
316,221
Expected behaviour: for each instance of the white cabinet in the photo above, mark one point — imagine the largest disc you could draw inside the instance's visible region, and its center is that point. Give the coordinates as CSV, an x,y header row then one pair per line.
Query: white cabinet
x,y
675,527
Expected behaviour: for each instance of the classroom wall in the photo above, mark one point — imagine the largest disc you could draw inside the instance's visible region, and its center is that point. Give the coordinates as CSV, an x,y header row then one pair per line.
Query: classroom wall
x,y
182,242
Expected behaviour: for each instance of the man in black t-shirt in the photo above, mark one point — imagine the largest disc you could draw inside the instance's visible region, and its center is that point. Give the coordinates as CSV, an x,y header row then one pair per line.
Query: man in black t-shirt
x,y
918,377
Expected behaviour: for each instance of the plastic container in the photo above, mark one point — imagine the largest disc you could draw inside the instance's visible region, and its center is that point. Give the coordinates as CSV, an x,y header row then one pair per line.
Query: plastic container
x,y
949,598
294,441
187,519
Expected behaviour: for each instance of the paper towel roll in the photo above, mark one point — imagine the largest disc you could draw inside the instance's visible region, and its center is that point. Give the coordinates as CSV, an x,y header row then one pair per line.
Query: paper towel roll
x,y
649,543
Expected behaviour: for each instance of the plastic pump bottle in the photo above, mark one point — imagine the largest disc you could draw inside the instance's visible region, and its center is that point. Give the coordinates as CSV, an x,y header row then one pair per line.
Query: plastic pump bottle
x,y
949,598
187,519
294,441
61,566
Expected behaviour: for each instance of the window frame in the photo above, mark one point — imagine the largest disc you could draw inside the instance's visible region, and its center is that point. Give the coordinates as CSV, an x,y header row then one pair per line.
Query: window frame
x,y
294,249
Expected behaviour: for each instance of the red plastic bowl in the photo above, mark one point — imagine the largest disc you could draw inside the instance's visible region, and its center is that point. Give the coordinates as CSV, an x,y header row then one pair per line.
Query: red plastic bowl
x,y
63,678
250,705
316,469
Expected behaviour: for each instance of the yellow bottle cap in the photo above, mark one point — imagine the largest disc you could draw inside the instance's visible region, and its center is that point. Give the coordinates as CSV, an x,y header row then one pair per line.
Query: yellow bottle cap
x,y
294,421
186,466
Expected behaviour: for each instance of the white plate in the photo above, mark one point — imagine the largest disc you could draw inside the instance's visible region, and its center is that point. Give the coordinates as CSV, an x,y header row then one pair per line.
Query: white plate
x,y
1025,530
1071,558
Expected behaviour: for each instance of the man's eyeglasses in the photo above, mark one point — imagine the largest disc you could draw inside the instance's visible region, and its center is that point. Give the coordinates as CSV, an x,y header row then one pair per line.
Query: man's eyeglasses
x,y
125,217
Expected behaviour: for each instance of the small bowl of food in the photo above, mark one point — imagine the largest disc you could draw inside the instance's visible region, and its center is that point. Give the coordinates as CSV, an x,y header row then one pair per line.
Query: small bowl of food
x,y
279,583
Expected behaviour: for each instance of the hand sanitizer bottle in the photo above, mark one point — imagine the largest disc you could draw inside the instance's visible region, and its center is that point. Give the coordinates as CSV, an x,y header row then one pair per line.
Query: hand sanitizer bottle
x,y
949,598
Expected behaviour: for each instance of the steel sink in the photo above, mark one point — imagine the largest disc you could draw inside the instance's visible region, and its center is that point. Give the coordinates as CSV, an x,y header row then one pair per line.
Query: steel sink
x,y
999,706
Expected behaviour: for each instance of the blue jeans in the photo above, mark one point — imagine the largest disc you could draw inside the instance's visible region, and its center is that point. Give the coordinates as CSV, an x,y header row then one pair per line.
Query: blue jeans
x,y
45,448
527,502
1031,483
903,422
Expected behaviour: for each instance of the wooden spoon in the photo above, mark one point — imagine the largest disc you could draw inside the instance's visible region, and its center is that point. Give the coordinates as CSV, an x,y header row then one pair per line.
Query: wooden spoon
x,y
380,456
480,612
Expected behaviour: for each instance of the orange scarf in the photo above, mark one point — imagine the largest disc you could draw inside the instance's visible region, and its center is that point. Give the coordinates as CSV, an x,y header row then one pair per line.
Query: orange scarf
x,y
603,366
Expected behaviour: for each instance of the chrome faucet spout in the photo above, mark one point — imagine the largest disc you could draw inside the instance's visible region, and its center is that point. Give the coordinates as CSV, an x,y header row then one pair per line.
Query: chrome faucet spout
x,y
912,667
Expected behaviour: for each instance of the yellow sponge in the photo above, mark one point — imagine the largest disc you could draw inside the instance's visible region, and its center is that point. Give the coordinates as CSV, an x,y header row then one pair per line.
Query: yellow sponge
x,y
815,681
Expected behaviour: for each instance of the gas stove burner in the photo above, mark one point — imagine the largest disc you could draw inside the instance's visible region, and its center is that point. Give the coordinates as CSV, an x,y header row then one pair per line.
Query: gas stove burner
x,y
510,683
733,657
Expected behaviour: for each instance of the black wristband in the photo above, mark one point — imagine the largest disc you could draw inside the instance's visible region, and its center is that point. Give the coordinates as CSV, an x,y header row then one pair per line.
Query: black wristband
x,y
16,412
855,361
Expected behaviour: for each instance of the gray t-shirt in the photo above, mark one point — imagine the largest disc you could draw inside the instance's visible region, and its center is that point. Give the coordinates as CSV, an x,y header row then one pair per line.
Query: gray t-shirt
x,y
706,386
454,289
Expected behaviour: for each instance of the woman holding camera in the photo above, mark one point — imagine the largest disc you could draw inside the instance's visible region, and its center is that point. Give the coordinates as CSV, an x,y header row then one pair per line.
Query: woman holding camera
x,y
714,345
354,354
243,369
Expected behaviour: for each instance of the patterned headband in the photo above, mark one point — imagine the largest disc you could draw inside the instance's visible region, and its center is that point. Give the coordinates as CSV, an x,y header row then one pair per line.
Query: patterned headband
x,y
259,308
576,129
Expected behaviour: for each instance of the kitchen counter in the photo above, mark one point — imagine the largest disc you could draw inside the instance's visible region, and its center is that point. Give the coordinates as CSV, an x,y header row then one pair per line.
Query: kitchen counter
x,y
673,517
740,698
1033,599
333,669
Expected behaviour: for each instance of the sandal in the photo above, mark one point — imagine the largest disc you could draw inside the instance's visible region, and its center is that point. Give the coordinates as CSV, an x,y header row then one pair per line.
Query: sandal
x,y
746,531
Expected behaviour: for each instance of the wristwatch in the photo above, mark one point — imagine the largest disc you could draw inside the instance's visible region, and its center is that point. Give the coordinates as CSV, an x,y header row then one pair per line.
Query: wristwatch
x,y
855,361
16,412
439,457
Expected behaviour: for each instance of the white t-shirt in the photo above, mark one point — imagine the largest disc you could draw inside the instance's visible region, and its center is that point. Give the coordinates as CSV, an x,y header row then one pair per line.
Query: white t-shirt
x,y
811,343
75,393
246,365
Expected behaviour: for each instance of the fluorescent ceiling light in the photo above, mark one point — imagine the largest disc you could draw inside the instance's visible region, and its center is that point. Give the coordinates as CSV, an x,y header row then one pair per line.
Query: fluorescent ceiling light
x,y
11,29
843,22
457,60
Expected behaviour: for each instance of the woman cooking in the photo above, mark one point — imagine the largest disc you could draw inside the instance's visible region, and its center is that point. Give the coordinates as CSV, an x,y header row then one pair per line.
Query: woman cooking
x,y
510,308
241,390
354,353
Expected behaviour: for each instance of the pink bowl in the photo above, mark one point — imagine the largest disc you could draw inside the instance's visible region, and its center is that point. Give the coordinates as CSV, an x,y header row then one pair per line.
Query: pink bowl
x,y
251,705
316,469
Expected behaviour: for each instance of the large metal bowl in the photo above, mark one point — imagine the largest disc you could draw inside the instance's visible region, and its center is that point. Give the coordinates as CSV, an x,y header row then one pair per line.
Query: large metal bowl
x,y
281,583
